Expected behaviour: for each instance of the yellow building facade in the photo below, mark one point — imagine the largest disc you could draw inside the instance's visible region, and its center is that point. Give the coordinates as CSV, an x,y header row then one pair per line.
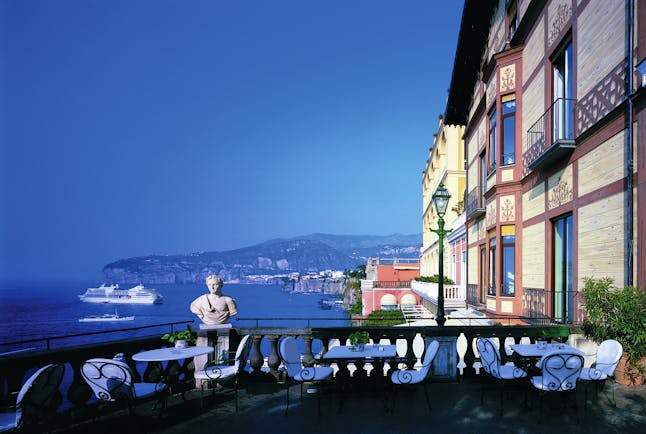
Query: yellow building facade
x,y
445,165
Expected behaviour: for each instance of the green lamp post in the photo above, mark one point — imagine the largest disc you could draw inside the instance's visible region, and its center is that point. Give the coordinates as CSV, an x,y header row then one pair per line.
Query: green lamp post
x,y
441,200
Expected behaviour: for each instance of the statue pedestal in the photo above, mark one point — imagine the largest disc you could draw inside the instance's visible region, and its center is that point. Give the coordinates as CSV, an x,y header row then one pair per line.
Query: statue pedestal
x,y
216,336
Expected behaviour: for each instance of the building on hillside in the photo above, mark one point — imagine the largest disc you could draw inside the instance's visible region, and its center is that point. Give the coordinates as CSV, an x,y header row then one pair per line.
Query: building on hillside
x,y
387,284
445,165
554,140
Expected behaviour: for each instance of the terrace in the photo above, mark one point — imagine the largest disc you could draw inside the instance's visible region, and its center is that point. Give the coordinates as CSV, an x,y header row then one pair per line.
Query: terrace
x,y
454,390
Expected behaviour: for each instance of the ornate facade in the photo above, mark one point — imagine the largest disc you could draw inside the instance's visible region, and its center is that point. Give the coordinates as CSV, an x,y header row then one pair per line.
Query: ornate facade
x,y
554,150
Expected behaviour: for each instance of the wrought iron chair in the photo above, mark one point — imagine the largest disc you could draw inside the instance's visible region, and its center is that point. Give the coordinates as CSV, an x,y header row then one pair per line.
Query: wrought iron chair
x,y
404,377
296,372
608,355
227,374
112,382
37,400
559,371
491,364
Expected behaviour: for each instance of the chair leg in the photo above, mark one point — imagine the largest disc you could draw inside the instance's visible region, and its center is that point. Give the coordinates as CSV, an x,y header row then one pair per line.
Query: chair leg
x,y
428,402
287,406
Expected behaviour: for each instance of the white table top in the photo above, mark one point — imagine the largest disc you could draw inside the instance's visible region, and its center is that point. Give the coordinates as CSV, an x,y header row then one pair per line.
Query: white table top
x,y
369,351
532,350
171,353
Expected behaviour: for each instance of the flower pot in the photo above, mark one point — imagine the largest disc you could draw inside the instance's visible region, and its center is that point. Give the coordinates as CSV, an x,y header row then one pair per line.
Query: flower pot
x,y
359,347
626,375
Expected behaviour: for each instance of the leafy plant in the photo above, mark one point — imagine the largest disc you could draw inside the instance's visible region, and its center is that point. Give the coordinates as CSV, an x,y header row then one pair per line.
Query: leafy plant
x,y
618,314
384,318
189,335
435,279
359,337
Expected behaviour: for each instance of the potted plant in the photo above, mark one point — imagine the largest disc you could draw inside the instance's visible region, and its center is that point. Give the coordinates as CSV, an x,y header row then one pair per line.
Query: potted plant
x,y
181,338
618,314
359,339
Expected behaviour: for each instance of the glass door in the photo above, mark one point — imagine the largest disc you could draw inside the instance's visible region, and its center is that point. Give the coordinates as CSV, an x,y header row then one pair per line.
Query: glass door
x,y
563,300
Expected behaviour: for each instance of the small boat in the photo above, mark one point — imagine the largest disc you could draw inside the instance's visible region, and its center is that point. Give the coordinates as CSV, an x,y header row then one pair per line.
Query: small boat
x,y
106,317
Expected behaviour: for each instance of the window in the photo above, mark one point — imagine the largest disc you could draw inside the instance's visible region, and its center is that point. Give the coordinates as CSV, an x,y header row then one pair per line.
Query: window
x,y
483,274
512,16
508,263
464,256
563,301
508,130
492,140
492,267
483,178
562,91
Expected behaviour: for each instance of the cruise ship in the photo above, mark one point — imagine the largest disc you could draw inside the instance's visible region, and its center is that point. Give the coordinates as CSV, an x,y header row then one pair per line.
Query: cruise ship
x,y
113,294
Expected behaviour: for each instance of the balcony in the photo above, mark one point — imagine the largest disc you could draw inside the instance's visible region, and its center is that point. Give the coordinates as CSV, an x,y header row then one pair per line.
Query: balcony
x,y
476,203
551,138
457,406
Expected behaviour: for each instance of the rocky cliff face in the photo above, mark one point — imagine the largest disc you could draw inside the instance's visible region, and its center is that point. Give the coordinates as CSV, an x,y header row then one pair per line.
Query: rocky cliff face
x,y
269,262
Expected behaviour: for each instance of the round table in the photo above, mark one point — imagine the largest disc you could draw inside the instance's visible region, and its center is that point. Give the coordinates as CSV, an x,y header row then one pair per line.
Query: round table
x,y
171,353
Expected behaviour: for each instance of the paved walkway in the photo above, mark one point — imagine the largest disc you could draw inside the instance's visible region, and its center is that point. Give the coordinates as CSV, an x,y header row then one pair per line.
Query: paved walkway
x,y
456,409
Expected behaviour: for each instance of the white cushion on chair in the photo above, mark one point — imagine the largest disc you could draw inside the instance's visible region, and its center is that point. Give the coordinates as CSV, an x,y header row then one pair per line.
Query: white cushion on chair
x,y
8,421
592,374
407,376
508,372
216,372
144,390
314,373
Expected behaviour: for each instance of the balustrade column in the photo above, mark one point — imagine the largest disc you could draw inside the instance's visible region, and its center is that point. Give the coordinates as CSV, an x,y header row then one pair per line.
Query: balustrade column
x,y
469,356
273,361
256,361
308,357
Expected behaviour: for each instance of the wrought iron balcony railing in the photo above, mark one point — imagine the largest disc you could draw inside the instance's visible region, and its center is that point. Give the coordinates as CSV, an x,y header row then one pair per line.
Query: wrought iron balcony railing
x,y
551,138
475,203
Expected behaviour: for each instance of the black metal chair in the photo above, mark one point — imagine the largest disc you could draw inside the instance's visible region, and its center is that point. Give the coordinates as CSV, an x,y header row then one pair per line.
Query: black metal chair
x,y
37,400
404,377
112,382
491,364
560,369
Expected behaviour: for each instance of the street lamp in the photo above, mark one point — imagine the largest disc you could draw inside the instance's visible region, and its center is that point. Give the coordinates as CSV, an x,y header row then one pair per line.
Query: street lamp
x,y
441,200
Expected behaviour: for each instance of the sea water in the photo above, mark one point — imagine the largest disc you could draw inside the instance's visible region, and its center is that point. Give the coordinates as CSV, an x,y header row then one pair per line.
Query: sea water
x,y
31,310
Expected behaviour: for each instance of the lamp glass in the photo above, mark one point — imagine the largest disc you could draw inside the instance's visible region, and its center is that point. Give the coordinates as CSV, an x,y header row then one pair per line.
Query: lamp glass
x,y
441,199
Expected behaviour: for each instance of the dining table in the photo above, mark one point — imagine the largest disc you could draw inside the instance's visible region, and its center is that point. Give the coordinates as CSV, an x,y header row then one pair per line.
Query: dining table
x,y
171,374
527,356
342,355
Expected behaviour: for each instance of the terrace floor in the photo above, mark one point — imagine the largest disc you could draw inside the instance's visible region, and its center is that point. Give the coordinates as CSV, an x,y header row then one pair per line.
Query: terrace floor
x,y
456,409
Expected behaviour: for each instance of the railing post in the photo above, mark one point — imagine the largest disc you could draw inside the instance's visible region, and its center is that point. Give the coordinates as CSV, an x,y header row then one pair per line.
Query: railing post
x,y
256,361
469,356
308,357
273,361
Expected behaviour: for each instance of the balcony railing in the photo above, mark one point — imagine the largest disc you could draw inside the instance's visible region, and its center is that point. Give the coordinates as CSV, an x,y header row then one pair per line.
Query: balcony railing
x,y
454,295
538,303
264,355
472,295
391,284
551,138
475,203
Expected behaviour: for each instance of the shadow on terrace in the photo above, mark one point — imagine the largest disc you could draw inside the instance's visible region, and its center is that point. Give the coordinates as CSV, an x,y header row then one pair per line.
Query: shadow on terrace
x,y
454,389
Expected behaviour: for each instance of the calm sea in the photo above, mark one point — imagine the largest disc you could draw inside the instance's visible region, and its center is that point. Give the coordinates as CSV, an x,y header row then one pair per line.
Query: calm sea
x,y
42,310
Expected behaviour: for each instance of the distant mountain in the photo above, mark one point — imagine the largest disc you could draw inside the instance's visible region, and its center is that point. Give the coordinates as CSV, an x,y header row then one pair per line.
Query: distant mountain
x,y
310,253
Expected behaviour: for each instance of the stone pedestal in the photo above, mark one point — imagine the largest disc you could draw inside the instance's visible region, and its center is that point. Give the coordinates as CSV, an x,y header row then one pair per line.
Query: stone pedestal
x,y
216,336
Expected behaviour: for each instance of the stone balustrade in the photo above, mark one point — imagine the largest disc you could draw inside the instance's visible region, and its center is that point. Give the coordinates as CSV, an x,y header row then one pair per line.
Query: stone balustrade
x,y
457,357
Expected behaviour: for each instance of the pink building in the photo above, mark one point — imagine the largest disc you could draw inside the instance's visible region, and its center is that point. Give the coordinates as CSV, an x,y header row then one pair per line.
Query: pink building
x,y
387,284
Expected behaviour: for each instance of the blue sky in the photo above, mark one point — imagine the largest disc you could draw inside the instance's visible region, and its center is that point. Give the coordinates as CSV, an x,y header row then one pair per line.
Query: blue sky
x,y
130,128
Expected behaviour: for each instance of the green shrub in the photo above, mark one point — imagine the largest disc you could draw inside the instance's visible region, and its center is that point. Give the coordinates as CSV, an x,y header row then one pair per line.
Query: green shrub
x,y
615,313
384,318
435,279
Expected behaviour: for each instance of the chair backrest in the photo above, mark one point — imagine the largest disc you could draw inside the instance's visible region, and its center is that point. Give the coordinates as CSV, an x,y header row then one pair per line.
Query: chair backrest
x,y
431,351
560,370
608,355
290,355
110,380
242,353
489,356
39,395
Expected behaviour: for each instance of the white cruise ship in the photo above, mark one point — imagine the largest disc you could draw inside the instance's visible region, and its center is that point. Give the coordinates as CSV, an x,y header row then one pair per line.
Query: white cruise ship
x,y
113,294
